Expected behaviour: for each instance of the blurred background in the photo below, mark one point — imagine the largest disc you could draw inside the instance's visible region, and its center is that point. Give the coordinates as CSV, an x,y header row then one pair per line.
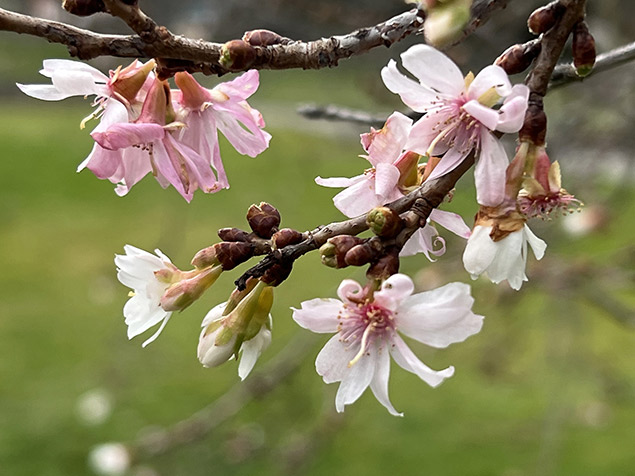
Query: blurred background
x,y
547,387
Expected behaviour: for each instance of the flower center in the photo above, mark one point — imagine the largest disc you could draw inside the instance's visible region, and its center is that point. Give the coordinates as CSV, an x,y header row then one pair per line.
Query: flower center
x,y
364,323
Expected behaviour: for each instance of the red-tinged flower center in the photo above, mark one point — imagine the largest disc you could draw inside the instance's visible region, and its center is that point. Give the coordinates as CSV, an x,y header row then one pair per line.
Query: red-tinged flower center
x,y
544,205
364,323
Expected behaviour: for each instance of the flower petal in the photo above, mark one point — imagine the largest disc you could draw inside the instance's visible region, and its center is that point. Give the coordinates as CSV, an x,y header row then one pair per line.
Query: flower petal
x,y
440,317
251,350
538,246
379,383
492,76
485,115
413,95
489,173
434,69
480,251
335,182
349,289
332,361
122,135
451,221
356,379
407,360
386,144
393,291
386,179
512,112
318,315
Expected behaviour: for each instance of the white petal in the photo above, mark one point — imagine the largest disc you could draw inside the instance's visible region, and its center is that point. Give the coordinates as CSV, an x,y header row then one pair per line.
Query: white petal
x,y
349,289
332,361
51,67
394,290
489,173
538,246
492,76
251,350
379,383
318,315
157,333
387,144
440,317
44,92
451,221
479,252
434,69
413,95
358,198
356,379
509,263
77,83
410,362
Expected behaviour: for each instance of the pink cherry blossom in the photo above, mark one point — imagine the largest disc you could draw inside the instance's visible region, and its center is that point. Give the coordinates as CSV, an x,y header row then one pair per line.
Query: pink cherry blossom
x,y
460,117
149,144
223,108
383,183
367,332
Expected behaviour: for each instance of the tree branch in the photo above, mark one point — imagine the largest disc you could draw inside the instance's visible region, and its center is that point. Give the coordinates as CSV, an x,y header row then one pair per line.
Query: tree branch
x,y
565,73
432,192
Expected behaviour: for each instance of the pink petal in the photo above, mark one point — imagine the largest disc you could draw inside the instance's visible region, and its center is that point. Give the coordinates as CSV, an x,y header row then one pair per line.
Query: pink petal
x,y
102,162
241,87
489,173
170,168
451,221
237,123
452,158
434,69
349,289
386,179
122,135
424,240
198,169
426,129
358,198
485,115
386,145
407,360
332,361
413,95
336,182
491,76
440,317
512,112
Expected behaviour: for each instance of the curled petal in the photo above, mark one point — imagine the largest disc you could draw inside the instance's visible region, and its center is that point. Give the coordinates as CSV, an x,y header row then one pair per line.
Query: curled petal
x,y
379,383
349,289
407,360
451,221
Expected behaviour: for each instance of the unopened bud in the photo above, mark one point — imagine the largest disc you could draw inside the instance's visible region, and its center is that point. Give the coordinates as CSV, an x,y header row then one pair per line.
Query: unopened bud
x,y
205,257
182,294
237,55
231,254
285,237
583,50
534,128
445,21
263,219
83,8
385,266
264,38
233,234
128,81
384,222
517,58
408,165
359,255
332,252
544,18
277,273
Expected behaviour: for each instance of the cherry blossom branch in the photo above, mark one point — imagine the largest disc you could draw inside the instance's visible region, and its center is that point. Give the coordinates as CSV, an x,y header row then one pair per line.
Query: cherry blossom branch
x,y
332,112
565,73
431,193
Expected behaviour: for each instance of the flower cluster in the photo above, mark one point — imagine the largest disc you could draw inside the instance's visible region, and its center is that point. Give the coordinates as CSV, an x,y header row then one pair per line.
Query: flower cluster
x,y
147,127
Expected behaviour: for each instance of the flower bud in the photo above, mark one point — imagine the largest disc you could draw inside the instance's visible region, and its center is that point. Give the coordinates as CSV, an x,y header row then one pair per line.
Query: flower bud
x,y
128,81
277,273
285,237
583,50
408,165
232,253
445,21
263,219
544,18
385,266
332,252
205,257
264,38
83,8
233,234
517,58
237,55
183,293
359,255
384,222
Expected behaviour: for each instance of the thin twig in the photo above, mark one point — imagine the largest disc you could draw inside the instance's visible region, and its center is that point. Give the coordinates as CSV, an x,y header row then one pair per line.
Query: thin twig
x,y
209,418
332,112
565,73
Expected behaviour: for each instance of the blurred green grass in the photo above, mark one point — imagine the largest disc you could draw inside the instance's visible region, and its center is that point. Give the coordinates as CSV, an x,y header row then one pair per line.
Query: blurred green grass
x,y
547,388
